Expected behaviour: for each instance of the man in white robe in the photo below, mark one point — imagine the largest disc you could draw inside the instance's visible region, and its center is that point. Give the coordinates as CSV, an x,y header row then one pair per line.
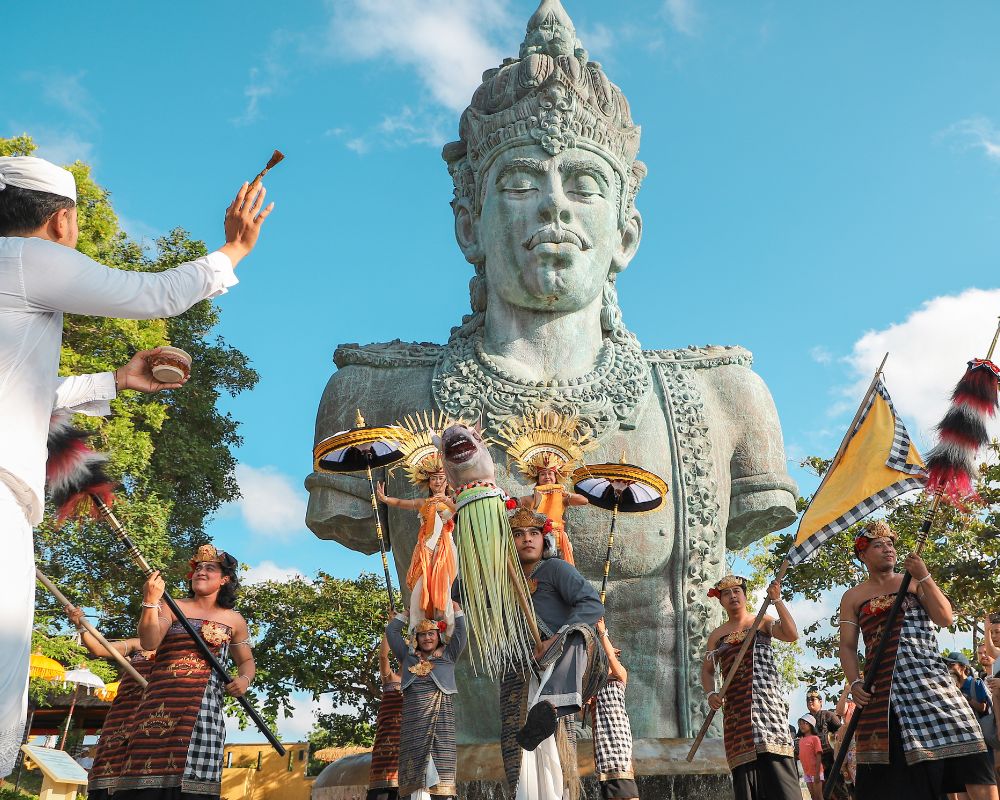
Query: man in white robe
x,y
42,276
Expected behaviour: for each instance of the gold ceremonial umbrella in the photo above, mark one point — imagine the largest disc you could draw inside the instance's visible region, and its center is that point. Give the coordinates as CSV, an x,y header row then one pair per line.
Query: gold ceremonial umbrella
x,y
46,668
360,449
619,487
109,692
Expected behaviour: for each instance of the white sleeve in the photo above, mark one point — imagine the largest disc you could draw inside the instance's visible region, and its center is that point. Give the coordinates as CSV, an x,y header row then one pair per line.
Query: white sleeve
x,y
59,278
86,394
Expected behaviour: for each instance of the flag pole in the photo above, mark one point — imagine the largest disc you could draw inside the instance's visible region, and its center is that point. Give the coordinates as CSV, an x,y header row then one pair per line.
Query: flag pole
x,y
703,731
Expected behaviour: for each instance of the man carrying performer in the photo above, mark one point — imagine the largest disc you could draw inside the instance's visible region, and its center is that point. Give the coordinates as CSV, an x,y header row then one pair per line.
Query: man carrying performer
x,y
41,277
759,747
428,759
573,665
917,737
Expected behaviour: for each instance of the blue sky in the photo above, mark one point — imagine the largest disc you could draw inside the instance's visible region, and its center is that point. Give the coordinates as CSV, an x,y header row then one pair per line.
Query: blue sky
x,y
824,186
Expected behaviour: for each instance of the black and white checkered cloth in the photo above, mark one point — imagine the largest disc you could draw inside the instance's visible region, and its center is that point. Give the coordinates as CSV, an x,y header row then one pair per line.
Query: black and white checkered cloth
x,y
896,459
612,733
768,708
203,766
935,718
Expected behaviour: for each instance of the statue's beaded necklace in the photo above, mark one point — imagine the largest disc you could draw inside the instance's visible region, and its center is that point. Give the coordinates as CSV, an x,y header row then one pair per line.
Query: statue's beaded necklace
x,y
468,383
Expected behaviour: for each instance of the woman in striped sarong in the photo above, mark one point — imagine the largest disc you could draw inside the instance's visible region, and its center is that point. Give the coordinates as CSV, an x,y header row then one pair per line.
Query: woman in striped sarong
x,y
110,752
175,748
428,759
755,722
383,776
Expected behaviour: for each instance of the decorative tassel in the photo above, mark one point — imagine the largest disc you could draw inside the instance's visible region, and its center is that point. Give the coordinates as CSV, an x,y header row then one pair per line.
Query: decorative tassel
x,y
74,471
952,464
276,158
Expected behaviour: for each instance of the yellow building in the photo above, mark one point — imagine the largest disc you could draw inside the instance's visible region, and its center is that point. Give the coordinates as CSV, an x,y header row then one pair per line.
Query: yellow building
x,y
257,772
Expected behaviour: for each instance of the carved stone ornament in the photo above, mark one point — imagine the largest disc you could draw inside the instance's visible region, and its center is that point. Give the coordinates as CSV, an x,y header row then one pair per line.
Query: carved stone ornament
x,y
468,385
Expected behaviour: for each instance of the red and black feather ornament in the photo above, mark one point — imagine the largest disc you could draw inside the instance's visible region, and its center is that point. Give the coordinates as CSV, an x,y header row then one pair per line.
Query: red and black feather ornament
x,y
952,463
74,471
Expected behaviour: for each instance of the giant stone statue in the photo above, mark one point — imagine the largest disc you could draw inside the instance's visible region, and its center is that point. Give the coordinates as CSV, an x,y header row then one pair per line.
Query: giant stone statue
x,y
546,177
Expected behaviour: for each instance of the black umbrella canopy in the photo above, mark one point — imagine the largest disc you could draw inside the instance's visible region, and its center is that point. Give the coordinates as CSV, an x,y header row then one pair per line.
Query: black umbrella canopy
x,y
628,488
360,448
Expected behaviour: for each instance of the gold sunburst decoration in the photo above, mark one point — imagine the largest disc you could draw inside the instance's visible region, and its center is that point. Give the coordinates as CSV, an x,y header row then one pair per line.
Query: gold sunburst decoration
x,y
545,439
421,458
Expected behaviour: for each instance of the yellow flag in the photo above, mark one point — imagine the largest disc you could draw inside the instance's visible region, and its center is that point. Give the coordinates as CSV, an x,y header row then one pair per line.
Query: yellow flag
x,y
878,463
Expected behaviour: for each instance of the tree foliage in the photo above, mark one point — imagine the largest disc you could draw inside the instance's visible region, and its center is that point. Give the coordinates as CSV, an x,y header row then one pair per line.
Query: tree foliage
x,y
320,636
170,452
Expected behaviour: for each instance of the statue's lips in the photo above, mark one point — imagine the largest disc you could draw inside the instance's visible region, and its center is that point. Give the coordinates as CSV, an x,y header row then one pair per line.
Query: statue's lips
x,y
556,236
459,450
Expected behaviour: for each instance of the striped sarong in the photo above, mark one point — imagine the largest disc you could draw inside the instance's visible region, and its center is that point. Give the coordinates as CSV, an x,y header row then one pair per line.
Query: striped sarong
x,y
427,732
179,732
109,755
613,743
935,719
755,716
384,772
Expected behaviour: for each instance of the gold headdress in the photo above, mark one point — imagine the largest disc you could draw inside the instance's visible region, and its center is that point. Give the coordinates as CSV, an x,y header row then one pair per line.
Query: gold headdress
x,y
728,582
526,518
545,440
421,458
207,553
876,529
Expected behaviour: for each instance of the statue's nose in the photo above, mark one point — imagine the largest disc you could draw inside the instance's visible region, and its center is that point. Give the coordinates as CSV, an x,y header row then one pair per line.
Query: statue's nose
x,y
555,206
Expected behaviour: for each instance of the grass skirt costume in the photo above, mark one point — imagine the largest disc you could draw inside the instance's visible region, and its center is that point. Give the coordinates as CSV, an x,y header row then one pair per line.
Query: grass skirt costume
x,y
613,743
427,743
755,722
109,756
517,691
175,749
491,578
918,737
383,776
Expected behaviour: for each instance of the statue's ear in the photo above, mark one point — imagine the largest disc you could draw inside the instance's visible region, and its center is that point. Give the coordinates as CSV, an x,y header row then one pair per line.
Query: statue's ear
x,y
630,235
467,231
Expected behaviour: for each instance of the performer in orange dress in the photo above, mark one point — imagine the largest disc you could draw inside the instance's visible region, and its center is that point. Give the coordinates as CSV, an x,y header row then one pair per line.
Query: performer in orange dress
x,y
547,447
434,565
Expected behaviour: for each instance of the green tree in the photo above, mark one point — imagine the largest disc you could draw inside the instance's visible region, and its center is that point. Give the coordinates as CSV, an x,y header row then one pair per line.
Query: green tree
x,y
321,636
171,452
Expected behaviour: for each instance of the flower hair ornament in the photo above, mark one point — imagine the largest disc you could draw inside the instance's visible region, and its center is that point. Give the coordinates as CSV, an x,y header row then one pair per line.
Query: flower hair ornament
x,y
728,582
877,529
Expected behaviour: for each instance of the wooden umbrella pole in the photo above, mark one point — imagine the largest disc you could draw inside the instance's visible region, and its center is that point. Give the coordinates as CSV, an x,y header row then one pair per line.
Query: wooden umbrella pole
x,y
122,662
381,540
739,659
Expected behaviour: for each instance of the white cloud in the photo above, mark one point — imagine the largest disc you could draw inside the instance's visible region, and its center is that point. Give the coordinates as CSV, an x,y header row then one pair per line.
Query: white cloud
x,y
597,41
270,503
683,15
269,571
357,145
58,145
265,80
977,133
927,355
67,93
447,44
821,355
290,729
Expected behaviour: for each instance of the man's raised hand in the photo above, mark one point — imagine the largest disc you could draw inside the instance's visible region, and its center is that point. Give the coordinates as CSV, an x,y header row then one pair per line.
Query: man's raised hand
x,y
244,218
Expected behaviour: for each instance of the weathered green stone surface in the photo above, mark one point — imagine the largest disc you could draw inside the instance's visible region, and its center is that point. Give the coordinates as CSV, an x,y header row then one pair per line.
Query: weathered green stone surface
x,y
546,179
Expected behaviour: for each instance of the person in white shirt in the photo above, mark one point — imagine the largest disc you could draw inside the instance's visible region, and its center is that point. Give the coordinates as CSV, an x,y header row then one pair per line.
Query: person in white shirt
x,y
41,277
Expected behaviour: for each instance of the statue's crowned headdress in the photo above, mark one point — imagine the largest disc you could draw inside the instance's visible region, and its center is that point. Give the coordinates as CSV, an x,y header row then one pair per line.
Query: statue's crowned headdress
x,y
545,440
550,95
421,457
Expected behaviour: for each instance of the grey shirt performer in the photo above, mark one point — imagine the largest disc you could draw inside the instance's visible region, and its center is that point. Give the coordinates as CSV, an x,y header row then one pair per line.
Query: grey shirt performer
x,y
428,758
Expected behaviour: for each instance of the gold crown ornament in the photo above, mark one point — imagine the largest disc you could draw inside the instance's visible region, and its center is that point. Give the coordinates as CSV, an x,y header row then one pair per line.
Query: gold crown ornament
x,y
553,96
545,440
526,518
728,582
421,457
876,529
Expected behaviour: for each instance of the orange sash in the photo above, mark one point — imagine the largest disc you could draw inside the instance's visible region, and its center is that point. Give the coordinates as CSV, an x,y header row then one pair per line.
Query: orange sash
x,y
553,506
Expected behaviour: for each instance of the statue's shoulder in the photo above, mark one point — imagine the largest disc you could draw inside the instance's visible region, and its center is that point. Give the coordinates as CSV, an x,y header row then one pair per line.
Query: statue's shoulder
x,y
710,356
396,353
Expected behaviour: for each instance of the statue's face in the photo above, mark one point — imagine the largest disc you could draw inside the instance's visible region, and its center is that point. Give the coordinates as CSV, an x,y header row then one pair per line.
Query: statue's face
x,y
549,227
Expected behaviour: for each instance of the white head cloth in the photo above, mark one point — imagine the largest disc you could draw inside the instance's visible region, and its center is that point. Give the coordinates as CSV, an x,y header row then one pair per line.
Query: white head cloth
x,y
28,172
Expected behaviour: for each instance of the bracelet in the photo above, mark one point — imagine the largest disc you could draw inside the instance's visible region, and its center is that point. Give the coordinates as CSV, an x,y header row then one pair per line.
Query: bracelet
x,y
247,679
857,680
926,577
150,605
711,693
115,376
